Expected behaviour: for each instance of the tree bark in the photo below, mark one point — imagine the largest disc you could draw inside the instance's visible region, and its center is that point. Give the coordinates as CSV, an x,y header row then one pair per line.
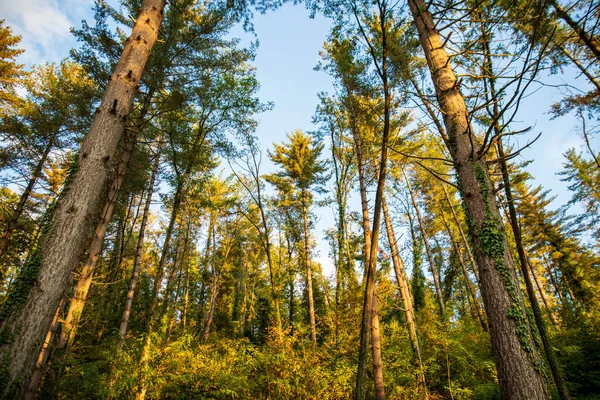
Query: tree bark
x,y
365,327
523,261
541,291
44,356
517,361
28,321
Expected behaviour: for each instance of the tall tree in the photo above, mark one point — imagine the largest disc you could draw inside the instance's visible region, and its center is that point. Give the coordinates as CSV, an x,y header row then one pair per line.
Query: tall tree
x,y
302,172
27,314
517,360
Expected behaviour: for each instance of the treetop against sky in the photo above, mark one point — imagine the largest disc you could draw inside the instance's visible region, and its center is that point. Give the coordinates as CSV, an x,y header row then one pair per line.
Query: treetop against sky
x,y
289,48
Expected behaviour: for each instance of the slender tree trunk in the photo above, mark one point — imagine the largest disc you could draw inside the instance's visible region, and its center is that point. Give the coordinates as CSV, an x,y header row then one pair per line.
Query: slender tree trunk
x,y
470,287
589,41
18,211
541,291
28,320
462,235
365,327
138,256
403,287
517,361
152,320
42,361
87,271
434,272
309,288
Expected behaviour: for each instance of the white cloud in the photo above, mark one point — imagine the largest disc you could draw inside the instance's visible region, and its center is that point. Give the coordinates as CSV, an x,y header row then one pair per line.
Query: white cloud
x,y
43,25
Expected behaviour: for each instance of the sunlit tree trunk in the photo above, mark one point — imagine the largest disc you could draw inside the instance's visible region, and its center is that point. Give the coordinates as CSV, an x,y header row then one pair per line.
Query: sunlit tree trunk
x,y
462,234
404,289
365,333
307,265
44,356
468,283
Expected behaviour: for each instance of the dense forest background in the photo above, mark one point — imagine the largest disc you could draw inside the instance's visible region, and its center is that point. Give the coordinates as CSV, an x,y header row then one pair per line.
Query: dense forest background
x,y
151,248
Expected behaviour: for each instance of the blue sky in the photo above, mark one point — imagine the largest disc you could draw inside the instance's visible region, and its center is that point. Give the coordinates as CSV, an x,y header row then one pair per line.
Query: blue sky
x,y
288,52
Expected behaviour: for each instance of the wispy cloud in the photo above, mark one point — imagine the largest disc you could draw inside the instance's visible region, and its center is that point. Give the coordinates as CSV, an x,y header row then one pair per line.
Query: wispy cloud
x,y
44,26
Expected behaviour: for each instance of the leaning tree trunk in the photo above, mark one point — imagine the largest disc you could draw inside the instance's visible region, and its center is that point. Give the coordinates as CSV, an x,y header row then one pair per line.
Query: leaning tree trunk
x,y
77,303
519,366
403,287
27,315
462,235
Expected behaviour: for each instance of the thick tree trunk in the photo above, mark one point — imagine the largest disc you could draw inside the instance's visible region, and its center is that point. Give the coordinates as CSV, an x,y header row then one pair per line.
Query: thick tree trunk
x,y
28,321
13,222
404,288
520,369
86,275
434,272
309,288
138,256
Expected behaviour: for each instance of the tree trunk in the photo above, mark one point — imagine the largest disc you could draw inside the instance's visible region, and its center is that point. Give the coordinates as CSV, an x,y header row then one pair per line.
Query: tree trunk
x,y
138,256
517,361
309,289
434,273
44,356
87,271
18,211
403,287
365,327
29,319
